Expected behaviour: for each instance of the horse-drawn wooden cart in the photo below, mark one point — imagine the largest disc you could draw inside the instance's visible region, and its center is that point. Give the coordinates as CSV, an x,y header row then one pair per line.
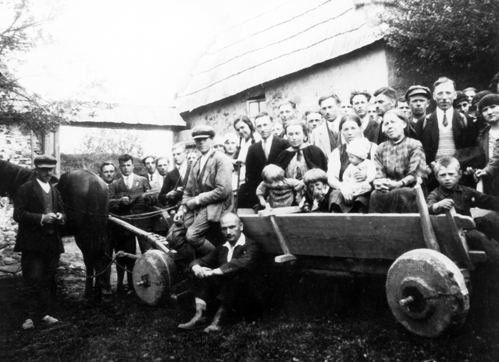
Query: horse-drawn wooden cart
x,y
426,259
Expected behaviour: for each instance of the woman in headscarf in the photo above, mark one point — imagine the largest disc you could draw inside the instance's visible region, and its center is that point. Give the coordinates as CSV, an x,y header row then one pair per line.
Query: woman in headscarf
x,y
399,162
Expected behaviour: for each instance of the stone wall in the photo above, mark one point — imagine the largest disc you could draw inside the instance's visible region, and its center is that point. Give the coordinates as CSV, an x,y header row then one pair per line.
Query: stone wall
x,y
15,145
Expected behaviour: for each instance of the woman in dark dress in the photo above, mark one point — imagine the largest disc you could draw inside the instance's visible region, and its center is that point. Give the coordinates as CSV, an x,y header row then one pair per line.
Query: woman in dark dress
x,y
300,156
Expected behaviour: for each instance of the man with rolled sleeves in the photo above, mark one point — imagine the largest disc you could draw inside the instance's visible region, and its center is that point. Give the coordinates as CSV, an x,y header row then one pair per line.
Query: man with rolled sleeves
x,y
207,196
39,211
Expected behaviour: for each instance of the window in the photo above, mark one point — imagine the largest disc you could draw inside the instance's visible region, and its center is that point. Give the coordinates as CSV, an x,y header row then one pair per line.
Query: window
x,y
255,106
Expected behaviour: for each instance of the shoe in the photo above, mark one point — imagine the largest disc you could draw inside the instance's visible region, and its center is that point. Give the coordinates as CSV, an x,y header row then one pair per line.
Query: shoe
x,y
28,324
216,324
50,320
107,292
198,321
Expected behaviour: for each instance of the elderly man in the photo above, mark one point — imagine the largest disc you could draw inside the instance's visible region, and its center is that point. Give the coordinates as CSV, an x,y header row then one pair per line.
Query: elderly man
x,y
107,172
207,196
360,104
326,136
125,198
229,270
261,154
39,211
445,131
153,176
418,97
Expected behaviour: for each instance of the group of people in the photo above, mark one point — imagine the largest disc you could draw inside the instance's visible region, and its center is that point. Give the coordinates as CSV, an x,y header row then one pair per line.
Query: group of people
x,y
361,156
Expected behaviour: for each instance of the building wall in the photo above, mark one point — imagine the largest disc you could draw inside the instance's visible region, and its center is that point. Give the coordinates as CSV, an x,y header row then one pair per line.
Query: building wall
x,y
15,145
366,68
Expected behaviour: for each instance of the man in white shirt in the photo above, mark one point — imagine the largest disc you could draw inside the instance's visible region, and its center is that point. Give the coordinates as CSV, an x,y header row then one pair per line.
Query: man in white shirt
x,y
326,136
446,130
228,270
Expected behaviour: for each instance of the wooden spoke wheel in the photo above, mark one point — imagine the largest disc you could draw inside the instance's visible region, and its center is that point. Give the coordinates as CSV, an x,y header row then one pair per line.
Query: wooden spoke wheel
x,y
153,277
427,293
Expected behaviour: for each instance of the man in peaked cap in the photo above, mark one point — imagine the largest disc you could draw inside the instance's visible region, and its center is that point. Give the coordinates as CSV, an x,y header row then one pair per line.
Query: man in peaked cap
x,y
39,211
418,97
207,196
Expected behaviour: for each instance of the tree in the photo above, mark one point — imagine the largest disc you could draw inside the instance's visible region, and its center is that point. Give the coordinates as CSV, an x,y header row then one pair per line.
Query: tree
x,y
460,35
21,31
112,142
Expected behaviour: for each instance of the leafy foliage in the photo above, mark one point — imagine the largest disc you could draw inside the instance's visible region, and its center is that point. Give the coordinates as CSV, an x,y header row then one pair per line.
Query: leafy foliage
x,y
460,34
20,31
112,142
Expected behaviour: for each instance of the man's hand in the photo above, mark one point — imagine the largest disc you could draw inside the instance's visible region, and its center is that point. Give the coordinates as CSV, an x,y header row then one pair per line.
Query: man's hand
x,y
445,204
49,218
172,195
125,200
191,204
201,271
347,194
209,273
479,174
60,218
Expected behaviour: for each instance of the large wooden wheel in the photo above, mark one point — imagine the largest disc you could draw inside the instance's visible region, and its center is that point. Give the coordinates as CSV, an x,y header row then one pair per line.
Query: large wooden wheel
x,y
427,293
153,277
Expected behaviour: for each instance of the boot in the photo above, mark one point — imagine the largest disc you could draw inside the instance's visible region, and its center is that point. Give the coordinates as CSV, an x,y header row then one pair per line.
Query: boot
x,y
199,319
204,249
216,324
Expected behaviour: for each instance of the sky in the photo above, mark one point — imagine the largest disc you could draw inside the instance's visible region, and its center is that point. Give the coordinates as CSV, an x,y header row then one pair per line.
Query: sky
x,y
123,51
118,51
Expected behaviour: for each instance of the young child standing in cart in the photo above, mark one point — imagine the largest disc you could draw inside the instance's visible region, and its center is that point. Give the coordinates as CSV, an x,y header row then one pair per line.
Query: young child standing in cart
x,y
450,194
278,191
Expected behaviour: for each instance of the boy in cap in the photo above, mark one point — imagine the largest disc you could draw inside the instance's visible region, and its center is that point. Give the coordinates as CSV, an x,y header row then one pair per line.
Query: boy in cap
x,y
39,211
207,196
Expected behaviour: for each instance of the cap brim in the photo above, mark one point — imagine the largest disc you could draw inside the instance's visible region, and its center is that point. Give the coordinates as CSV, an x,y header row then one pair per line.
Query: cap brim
x,y
43,165
200,137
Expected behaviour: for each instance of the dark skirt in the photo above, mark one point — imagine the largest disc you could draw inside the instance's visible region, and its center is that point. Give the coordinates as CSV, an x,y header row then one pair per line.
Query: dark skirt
x,y
402,201
360,203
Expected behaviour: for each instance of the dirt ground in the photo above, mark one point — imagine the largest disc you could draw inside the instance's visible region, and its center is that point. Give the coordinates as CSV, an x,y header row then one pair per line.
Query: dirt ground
x,y
308,321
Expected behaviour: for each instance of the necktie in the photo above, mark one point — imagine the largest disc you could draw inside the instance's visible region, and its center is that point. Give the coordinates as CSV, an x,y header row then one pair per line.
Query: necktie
x,y
150,177
445,122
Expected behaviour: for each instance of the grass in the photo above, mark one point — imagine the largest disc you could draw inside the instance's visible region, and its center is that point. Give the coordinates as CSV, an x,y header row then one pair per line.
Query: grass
x,y
307,322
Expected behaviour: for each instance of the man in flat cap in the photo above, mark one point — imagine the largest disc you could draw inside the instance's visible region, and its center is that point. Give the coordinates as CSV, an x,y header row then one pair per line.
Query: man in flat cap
x,y
418,97
207,196
39,211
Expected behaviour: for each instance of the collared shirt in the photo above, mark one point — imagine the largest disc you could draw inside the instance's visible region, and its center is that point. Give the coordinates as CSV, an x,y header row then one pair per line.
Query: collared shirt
x,y
128,181
45,186
266,145
202,161
182,170
440,117
464,199
240,242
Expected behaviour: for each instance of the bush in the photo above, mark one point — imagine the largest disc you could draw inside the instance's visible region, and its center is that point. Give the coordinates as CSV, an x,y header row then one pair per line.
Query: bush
x,y
92,162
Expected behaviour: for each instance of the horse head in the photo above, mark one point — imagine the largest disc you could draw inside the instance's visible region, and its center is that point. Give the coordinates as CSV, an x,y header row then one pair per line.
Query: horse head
x,y
13,176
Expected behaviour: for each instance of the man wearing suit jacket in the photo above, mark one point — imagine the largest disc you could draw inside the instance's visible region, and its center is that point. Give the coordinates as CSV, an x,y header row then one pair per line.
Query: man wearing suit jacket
x,y
153,176
446,130
126,196
207,196
39,211
176,180
326,136
230,269
360,103
262,153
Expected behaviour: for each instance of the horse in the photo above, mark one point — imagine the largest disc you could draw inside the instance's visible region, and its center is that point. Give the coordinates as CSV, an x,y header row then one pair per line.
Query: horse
x,y
85,199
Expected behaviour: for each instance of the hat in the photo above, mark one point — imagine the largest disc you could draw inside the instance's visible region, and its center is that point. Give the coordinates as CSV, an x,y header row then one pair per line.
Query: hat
x,y
231,137
417,90
494,80
359,147
45,161
488,100
218,141
478,97
203,131
460,97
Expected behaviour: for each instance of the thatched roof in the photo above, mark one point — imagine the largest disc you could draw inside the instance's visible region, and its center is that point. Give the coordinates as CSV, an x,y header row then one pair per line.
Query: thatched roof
x,y
130,116
272,39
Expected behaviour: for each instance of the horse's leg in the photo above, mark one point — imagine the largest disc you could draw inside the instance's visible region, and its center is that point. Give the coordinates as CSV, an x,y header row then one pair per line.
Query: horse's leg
x,y
81,241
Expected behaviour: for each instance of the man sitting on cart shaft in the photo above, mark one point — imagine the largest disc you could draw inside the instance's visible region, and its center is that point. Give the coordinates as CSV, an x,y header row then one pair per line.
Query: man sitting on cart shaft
x,y
230,272
450,194
207,195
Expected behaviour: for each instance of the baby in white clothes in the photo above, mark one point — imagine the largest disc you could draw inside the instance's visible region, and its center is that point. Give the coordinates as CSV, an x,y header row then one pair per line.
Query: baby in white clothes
x,y
358,150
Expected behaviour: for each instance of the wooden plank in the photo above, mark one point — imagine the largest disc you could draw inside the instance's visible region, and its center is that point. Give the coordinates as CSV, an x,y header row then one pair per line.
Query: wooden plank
x,y
428,232
374,236
280,211
287,256
459,238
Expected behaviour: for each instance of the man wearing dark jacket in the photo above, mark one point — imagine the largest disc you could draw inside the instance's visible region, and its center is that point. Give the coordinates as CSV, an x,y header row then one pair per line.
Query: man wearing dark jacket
x,y
445,131
39,211
229,269
261,154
